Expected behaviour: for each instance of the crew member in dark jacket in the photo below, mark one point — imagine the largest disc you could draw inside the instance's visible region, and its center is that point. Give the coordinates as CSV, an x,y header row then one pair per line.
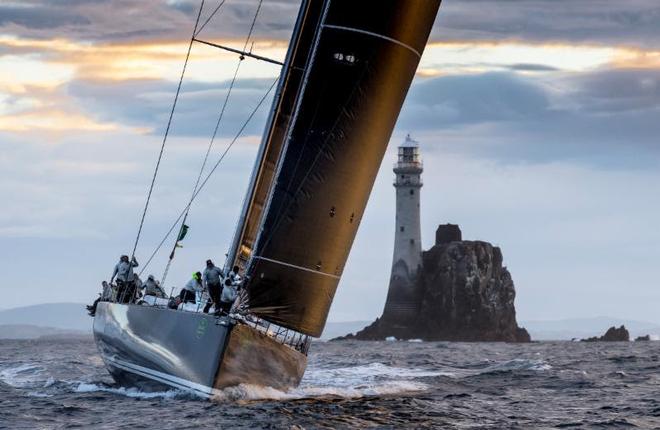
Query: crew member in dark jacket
x,y
213,277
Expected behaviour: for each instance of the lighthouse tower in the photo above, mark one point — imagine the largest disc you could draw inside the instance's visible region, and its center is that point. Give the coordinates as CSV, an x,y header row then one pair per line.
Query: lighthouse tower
x,y
401,301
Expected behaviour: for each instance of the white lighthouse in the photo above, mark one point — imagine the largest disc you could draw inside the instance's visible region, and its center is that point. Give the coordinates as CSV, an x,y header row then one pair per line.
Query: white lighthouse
x,y
407,257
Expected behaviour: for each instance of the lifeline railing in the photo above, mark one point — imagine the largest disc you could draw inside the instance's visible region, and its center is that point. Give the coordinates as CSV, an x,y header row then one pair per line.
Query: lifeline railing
x,y
291,338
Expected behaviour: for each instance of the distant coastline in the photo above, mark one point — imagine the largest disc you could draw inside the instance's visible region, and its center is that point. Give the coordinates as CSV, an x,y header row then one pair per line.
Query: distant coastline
x,y
28,331
72,319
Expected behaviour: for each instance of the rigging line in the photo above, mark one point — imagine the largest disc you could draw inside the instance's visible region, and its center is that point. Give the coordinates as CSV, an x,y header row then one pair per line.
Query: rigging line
x,y
231,86
226,101
217,9
210,145
167,131
206,179
254,21
209,18
217,124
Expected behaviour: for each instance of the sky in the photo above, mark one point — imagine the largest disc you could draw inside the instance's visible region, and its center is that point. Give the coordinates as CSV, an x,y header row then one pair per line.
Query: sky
x,y
538,122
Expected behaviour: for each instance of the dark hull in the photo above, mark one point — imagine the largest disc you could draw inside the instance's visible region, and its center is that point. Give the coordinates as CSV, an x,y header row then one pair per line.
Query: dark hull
x,y
153,348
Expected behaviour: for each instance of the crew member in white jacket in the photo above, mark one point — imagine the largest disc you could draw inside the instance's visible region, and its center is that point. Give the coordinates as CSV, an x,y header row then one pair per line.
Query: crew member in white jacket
x,y
192,287
229,293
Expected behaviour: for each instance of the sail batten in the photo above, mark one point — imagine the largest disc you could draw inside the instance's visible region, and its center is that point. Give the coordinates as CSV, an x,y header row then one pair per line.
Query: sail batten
x,y
358,30
358,70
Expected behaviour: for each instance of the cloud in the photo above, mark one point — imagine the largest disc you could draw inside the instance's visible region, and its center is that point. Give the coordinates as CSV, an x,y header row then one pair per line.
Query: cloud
x,y
453,100
123,20
147,104
39,15
630,23
607,117
528,67
616,91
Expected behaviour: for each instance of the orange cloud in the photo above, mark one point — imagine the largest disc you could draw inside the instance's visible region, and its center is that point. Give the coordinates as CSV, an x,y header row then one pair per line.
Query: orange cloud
x,y
139,60
636,59
37,69
52,120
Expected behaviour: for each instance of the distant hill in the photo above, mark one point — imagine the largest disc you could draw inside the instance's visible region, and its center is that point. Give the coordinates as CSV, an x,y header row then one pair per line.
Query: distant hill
x,y
65,316
26,331
582,328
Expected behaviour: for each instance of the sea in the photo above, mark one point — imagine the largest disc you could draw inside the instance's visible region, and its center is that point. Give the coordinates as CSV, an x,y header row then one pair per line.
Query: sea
x,y
61,383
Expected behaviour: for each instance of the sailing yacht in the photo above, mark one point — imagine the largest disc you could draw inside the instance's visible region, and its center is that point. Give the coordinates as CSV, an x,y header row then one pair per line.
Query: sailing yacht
x,y
346,74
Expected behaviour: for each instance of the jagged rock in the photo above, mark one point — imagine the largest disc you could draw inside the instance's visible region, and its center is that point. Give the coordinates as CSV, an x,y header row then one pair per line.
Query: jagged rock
x,y
612,334
463,294
448,233
646,338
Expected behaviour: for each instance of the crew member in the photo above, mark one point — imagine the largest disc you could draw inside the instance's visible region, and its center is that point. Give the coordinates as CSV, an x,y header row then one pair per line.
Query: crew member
x,y
213,277
152,288
234,276
187,294
125,279
229,292
105,296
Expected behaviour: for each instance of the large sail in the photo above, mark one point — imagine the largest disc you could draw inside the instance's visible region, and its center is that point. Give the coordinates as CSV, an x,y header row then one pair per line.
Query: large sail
x,y
273,140
360,66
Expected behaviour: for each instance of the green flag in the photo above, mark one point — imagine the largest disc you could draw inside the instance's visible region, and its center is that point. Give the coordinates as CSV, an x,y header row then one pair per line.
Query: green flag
x,y
182,232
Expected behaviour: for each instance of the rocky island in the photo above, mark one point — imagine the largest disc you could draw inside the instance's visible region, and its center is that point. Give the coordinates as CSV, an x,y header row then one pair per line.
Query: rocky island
x,y
612,334
461,292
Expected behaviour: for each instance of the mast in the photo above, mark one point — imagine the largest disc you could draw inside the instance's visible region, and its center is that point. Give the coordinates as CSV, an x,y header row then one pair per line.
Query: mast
x,y
363,59
273,141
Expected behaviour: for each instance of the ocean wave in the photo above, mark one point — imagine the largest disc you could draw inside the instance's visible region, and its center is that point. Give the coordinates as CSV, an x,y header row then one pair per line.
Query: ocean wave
x,y
39,395
371,371
378,372
516,365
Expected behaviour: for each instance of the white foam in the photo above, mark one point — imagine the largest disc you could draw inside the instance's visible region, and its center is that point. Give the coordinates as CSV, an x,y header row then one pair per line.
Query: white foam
x,y
38,395
254,392
21,376
390,339
369,380
519,364
128,392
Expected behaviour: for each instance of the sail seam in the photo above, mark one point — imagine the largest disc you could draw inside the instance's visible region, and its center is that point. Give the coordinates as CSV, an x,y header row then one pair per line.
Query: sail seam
x,y
370,33
257,257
